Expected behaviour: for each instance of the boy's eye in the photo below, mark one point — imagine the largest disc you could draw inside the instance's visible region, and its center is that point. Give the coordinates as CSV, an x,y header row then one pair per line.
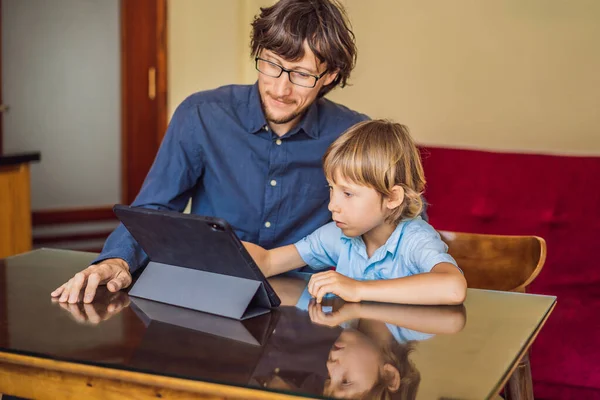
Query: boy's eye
x,y
346,382
347,194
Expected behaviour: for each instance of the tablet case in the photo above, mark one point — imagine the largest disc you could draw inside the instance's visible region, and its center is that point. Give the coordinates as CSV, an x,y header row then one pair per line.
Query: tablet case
x,y
196,262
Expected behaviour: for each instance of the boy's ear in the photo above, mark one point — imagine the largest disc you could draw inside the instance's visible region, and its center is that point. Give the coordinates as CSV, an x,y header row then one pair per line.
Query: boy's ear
x,y
392,377
396,198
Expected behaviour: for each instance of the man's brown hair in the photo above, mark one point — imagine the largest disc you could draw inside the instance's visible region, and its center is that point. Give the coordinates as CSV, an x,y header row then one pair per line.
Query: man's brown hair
x,y
284,27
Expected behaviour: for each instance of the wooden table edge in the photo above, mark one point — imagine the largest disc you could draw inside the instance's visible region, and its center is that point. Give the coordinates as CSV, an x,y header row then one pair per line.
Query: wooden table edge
x,y
154,383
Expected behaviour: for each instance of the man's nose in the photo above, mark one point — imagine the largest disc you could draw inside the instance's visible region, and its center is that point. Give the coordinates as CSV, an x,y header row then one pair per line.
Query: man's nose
x,y
282,86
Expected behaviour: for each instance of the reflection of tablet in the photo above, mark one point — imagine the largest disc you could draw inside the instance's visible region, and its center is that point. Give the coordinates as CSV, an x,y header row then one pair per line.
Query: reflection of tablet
x,y
186,247
253,331
173,350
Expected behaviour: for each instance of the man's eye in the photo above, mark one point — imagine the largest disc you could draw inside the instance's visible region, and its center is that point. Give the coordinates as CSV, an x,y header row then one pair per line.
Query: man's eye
x,y
302,75
346,382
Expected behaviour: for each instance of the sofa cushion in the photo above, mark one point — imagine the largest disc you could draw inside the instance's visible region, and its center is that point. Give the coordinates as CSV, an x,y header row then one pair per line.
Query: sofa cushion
x,y
557,198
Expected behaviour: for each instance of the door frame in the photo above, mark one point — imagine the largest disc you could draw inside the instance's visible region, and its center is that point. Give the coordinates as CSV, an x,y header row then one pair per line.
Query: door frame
x,y
1,119
143,90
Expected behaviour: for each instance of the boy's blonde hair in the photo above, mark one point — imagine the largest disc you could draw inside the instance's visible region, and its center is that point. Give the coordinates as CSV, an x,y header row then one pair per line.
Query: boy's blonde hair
x,y
380,154
397,355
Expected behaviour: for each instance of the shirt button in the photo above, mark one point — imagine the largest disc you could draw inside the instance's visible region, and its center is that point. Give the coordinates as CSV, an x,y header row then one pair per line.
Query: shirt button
x,y
278,142
273,182
267,128
267,224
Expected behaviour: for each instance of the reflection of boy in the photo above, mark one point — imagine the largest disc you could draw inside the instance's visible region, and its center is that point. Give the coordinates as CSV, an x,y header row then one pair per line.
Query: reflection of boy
x,y
308,353
294,358
369,363
370,359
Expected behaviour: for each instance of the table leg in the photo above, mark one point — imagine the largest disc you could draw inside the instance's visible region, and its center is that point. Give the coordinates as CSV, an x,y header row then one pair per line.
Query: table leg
x,y
520,385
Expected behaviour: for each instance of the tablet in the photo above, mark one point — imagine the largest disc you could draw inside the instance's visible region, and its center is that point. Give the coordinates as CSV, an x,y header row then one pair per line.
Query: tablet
x,y
197,243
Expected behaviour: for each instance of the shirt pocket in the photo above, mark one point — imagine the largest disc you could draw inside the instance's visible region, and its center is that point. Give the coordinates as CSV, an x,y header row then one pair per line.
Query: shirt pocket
x,y
315,194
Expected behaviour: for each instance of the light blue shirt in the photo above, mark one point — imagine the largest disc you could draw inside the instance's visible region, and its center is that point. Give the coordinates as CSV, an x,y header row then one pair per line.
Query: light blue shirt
x,y
401,334
413,248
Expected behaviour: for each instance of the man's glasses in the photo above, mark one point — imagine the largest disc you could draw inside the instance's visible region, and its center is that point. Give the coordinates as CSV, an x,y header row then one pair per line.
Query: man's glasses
x,y
296,77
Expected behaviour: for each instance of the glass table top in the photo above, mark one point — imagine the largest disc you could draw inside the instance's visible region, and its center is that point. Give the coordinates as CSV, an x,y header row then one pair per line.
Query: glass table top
x,y
333,350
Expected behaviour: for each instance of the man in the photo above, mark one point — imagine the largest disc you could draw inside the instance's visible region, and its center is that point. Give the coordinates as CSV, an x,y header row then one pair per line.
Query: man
x,y
249,154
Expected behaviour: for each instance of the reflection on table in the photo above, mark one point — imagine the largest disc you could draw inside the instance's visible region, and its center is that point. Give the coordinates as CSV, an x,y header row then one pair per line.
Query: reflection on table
x,y
335,349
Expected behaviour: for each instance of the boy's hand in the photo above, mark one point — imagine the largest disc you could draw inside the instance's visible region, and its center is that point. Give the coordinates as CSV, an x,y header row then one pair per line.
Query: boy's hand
x,y
347,312
333,282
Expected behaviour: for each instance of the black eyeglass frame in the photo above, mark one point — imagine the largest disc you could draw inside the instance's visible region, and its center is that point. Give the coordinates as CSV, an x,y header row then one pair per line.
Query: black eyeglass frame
x,y
289,71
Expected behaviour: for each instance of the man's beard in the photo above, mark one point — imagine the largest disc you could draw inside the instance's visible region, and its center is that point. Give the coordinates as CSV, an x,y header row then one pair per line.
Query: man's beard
x,y
282,120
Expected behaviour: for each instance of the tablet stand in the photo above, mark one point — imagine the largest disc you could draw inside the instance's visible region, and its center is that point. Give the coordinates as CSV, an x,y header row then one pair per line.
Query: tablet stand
x,y
223,295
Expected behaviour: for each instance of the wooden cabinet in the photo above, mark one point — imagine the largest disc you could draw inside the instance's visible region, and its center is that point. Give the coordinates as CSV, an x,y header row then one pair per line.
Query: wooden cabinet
x,y
15,204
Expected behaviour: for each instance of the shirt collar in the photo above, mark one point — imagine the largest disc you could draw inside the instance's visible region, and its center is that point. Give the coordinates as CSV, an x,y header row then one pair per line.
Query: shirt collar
x,y
310,122
256,117
393,242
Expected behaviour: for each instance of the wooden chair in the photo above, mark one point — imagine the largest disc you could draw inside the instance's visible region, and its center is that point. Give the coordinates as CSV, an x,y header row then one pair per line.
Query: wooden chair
x,y
499,262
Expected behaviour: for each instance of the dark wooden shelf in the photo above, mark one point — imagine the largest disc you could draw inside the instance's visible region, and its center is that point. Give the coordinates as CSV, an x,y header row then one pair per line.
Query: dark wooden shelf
x,y
19,158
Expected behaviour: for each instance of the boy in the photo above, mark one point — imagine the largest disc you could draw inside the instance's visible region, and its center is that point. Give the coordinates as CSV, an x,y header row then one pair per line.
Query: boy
x,y
382,249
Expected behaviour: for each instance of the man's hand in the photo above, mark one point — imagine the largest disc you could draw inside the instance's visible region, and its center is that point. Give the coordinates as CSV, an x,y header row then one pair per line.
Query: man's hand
x,y
112,272
106,306
332,282
346,312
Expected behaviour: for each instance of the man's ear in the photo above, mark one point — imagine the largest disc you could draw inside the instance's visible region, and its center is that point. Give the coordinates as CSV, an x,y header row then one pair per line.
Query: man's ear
x,y
391,377
396,198
330,77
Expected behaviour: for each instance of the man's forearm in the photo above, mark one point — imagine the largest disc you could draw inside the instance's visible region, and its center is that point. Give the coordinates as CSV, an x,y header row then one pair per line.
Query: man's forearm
x,y
428,288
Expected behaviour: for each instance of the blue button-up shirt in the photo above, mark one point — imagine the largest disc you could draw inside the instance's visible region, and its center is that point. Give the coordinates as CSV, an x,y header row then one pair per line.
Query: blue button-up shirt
x,y
413,248
219,151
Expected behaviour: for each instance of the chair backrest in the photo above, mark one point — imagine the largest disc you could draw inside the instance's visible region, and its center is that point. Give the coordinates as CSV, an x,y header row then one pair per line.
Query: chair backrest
x,y
497,262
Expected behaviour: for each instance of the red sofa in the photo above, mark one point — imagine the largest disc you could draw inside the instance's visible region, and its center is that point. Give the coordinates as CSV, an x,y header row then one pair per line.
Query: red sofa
x,y
557,198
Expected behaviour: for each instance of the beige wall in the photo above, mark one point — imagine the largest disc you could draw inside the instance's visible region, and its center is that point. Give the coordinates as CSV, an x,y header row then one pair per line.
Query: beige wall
x,y
204,46
507,75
